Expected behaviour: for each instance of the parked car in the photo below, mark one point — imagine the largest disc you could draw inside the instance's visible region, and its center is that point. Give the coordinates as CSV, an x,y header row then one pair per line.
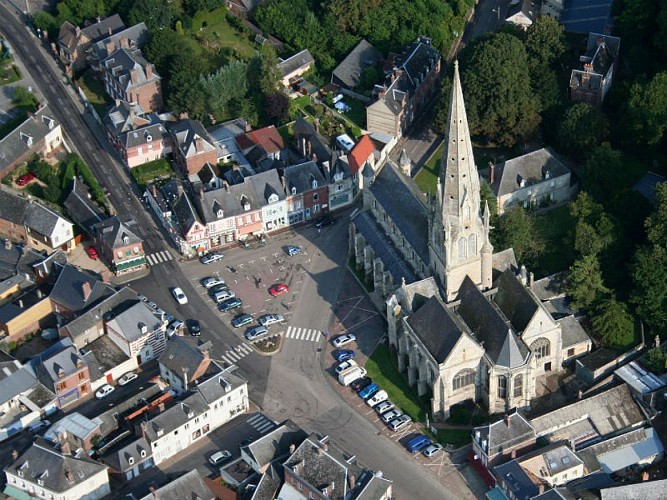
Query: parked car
x,y
194,327
270,319
219,456
127,378
179,295
344,340
104,391
255,332
418,443
217,288
361,383
378,397
343,354
223,295
242,320
38,426
384,407
278,289
169,317
92,252
211,257
327,220
391,415
25,179
368,391
345,365
230,304
432,450
212,281
400,422
293,250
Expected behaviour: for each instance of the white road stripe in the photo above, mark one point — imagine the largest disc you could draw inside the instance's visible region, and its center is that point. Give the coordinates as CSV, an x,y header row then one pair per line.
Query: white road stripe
x,y
158,257
232,355
254,418
265,427
315,336
291,331
226,360
149,258
244,349
167,255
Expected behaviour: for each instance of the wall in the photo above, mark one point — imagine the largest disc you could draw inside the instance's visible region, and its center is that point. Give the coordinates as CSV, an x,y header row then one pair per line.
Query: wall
x,y
29,321
148,151
380,119
94,488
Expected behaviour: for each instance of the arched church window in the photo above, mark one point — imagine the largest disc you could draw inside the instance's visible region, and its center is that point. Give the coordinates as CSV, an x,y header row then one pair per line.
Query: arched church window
x,y
502,386
518,386
472,245
467,212
463,378
541,347
462,248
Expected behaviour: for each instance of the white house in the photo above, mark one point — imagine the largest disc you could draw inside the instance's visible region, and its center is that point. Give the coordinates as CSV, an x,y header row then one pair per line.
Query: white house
x,y
139,332
270,195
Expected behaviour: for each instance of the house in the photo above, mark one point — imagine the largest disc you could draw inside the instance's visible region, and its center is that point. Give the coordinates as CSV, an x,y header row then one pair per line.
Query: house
x,y
635,449
46,473
223,137
193,147
266,139
189,485
274,445
138,138
592,82
536,179
39,134
361,154
307,188
74,431
647,490
119,246
349,72
342,188
207,178
182,363
64,372
75,290
242,7
29,222
192,238
293,67
270,195
134,37
410,84
522,14
106,361
160,199
139,331
493,444
24,315
309,143
81,208
129,77
74,42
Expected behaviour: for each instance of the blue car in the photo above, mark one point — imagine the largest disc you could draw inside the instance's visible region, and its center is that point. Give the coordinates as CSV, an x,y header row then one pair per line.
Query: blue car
x,y
292,250
368,391
343,354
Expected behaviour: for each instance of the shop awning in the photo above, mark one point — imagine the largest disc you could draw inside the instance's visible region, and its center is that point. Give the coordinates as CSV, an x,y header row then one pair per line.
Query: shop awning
x,y
128,264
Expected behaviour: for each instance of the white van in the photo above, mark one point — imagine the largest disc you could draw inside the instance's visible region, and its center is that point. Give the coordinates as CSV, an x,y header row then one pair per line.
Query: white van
x,y
346,377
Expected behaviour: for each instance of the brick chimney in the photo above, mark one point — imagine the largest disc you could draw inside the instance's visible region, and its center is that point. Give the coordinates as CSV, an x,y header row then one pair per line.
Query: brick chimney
x,y
508,422
492,173
111,47
124,42
85,288
199,144
645,476
109,31
133,76
149,71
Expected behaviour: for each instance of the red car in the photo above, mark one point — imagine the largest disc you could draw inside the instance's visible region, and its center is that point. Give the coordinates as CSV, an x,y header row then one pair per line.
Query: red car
x,y
92,252
278,289
25,179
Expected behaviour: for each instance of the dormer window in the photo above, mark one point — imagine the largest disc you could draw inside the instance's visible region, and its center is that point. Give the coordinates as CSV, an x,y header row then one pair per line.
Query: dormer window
x,y
273,198
126,239
130,460
149,138
143,453
293,190
314,183
221,214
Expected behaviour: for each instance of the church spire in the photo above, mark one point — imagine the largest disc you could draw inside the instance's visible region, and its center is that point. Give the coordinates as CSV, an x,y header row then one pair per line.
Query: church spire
x,y
459,181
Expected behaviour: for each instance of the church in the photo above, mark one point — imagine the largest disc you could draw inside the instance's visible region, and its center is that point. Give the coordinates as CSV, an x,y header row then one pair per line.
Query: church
x,y
466,323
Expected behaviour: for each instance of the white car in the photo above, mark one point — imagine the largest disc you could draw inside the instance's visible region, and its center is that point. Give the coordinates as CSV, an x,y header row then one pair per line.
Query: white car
x,y
211,257
219,457
377,398
270,319
345,365
344,340
212,281
384,407
179,295
127,378
104,391
432,450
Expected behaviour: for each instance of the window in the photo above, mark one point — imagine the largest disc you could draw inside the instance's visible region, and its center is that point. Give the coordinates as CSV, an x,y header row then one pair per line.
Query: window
x,y
570,352
462,248
61,386
248,219
541,347
120,254
467,212
316,208
339,188
472,245
518,386
502,386
463,378
135,249
128,252
316,197
82,376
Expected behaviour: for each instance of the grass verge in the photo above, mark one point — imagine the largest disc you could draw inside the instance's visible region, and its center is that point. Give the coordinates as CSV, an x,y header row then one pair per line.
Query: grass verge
x,y
455,437
427,178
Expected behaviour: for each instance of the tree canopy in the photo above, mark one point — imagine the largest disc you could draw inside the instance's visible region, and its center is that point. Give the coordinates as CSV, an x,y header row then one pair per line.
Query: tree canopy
x,y
584,283
613,323
583,128
646,110
516,229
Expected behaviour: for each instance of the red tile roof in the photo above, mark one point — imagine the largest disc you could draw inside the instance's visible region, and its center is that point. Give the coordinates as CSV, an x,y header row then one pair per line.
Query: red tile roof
x,y
269,138
360,153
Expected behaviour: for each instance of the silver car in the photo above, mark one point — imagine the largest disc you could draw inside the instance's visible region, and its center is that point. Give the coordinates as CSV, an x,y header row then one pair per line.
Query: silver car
x,y
270,319
388,417
255,332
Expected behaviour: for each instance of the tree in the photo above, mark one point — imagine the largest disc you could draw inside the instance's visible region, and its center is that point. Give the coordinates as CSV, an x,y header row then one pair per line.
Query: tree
x,y
584,283
441,118
225,87
545,41
656,223
277,107
655,360
46,22
583,128
603,174
487,195
500,102
22,97
613,323
544,83
594,230
516,229
157,14
646,110
649,276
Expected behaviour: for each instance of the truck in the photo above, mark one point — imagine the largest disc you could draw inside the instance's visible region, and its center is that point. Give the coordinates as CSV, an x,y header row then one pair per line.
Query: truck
x,y
346,377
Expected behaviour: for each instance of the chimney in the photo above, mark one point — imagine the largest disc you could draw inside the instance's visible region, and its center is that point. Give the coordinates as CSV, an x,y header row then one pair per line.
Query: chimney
x,y
199,144
492,172
40,294
160,406
65,448
507,421
15,455
314,158
310,147
111,47
513,453
352,481
201,193
77,30
133,76
531,280
149,71
109,31
21,303
645,476
580,394
124,43
226,185
317,125
99,19
179,189
85,288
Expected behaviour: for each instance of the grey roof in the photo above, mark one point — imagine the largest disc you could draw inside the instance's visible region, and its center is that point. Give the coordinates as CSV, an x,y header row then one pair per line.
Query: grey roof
x,y
176,416
130,322
268,484
371,486
500,436
549,287
532,168
276,443
189,486
384,248
609,412
8,365
341,165
304,131
516,301
68,288
647,490
572,333
513,352
180,356
115,233
64,361
502,261
122,62
437,328
44,462
81,208
145,135
75,424
349,71
641,380
267,184
18,382
219,384
414,295
102,28
593,456
516,480
118,457
295,62
405,205
102,356
29,213
186,133
125,116
136,35
303,177
184,212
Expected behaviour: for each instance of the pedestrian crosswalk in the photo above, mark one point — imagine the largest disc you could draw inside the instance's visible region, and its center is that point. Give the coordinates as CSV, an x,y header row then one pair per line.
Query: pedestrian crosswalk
x,y
261,423
158,257
303,334
232,356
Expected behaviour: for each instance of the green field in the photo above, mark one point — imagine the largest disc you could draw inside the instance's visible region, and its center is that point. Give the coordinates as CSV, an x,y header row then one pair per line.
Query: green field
x,y
158,169
427,178
213,32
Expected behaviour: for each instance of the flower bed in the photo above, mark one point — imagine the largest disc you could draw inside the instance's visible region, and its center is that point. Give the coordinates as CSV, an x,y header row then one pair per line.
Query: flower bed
x,y
270,344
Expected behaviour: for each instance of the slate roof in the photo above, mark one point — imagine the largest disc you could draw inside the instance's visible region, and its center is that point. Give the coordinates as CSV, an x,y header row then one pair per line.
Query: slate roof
x,y
572,333
604,455
186,132
26,137
500,436
176,416
302,178
297,61
647,490
101,29
120,63
129,322
524,7
371,486
115,233
267,184
515,301
189,486
145,135
642,381
181,357
184,213
414,295
103,355
549,287
136,35
218,384
44,462
360,153
48,367
68,289
16,383
276,443
405,206
437,328
118,457
516,480
81,208
363,56
318,144
532,168
125,116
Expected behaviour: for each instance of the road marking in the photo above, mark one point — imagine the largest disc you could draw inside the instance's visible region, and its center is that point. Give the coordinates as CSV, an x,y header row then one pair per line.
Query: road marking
x,y
226,360
233,355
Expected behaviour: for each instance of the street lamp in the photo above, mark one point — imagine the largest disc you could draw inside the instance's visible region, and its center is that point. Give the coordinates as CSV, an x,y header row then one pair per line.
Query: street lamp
x,y
497,11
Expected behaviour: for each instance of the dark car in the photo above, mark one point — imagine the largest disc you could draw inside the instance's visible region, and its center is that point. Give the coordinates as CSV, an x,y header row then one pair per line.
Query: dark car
x,y
343,354
230,304
361,383
193,326
325,221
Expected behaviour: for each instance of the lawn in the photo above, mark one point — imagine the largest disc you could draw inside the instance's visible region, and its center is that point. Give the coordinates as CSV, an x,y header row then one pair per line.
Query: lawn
x,y
455,437
9,73
553,226
357,112
427,178
212,30
158,169
381,367
93,88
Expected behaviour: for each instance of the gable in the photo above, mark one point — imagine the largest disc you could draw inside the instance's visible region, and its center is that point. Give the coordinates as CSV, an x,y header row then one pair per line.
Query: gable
x,y
464,351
